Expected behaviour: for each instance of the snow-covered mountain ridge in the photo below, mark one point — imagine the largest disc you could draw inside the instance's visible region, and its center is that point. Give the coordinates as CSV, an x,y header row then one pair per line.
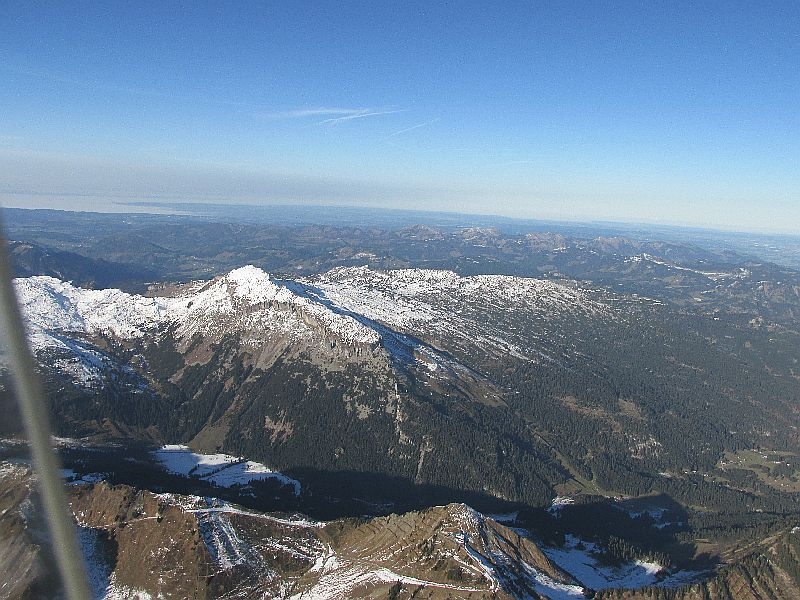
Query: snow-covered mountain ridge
x,y
353,305
245,299
508,313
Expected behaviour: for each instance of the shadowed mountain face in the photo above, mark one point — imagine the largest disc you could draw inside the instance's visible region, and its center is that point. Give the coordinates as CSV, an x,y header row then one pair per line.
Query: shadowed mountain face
x,y
34,259
26,564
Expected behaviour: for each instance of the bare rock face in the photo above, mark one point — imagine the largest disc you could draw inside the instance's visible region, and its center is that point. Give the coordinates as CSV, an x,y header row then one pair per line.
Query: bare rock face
x,y
443,552
25,563
140,544
148,542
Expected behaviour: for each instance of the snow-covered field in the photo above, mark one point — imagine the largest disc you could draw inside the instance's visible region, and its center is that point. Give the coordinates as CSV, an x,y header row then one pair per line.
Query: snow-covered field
x,y
578,558
443,303
221,470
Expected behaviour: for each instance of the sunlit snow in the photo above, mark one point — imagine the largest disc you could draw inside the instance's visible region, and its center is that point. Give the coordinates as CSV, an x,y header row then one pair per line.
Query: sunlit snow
x,y
222,470
579,558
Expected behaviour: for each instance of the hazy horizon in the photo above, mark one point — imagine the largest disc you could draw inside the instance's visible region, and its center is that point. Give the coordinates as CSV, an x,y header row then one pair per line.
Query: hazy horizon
x,y
677,114
315,214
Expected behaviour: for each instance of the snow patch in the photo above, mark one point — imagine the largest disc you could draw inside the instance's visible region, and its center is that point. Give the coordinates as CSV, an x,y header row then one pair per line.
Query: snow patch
x,y
222,470
558,503
712,275
446,305
98,569
579,558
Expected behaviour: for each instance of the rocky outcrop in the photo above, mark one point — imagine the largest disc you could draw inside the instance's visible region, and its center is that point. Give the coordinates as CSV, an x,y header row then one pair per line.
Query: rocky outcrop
x,y
26,565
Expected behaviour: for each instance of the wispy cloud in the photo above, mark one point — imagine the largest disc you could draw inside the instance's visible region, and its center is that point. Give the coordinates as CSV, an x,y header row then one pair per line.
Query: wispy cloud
x,y
334,114
360,115
322,111
412,128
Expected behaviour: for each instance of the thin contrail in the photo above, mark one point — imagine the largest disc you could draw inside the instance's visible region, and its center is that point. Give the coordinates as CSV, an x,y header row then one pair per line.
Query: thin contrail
x,y
334,120
407,129
321,111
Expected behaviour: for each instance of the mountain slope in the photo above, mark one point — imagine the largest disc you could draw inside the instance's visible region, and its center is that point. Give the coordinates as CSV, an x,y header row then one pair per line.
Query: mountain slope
x,y
448,551
26,565
28,259
374,383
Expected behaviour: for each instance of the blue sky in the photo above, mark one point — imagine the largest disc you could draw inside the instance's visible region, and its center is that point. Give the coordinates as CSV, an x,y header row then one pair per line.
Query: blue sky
x,y
670,112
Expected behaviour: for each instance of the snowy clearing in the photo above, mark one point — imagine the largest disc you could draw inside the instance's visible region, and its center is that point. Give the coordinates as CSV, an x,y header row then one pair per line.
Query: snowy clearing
x,y
221,470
